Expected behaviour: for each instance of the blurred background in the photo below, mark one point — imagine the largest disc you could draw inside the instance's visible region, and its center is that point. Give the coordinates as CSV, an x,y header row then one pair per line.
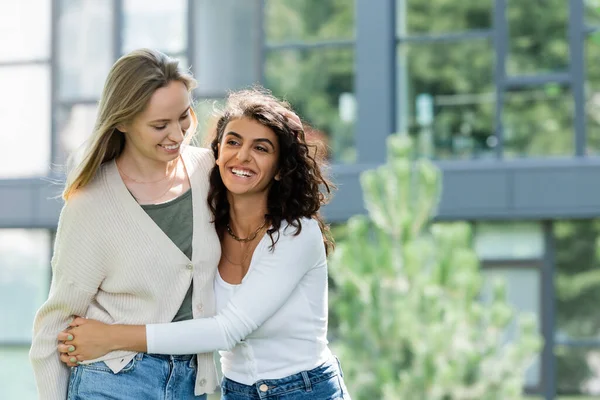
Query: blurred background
x,y
502,95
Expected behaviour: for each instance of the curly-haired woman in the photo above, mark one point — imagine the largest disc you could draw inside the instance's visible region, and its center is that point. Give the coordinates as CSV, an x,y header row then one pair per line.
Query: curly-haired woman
x,y
271,287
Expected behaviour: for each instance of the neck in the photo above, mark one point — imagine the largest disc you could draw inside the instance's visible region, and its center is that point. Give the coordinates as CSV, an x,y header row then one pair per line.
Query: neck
x,y
246,213
143,168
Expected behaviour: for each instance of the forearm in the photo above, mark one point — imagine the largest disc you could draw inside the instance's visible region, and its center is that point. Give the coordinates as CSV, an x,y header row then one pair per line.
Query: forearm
x,y
127,337
200,335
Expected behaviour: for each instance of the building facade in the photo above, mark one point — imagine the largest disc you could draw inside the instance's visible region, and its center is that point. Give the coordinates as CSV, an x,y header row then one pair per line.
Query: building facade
x,y
502,95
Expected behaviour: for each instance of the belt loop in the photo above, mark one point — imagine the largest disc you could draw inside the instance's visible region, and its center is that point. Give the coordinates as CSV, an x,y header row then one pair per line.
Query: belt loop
x,y
306,380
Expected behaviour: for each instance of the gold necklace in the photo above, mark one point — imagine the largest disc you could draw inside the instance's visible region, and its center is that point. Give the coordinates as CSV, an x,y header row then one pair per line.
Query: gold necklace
x,y
249,238
142,182
245,253
139,199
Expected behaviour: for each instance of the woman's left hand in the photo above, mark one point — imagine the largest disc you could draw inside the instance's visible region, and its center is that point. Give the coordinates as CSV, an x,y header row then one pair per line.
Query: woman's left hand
x,y
91,339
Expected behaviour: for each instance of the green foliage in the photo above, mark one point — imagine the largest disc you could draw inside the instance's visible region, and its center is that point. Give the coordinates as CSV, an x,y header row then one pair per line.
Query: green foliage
x,y
410,323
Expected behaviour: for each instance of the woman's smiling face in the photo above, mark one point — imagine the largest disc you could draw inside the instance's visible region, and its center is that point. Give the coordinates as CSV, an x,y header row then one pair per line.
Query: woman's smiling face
x,y
248,157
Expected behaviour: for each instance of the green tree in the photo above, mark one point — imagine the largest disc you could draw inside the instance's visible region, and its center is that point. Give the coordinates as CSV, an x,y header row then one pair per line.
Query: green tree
x,y
410,323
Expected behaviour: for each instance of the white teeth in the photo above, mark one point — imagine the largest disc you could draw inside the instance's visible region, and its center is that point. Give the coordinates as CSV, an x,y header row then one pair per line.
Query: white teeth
x,y
241,172
172,147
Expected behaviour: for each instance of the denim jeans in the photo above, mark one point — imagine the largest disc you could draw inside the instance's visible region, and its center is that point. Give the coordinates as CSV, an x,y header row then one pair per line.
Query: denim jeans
x,y
147,376
326,382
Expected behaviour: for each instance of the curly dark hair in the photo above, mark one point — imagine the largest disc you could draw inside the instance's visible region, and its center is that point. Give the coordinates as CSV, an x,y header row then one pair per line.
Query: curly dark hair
x,y
302,189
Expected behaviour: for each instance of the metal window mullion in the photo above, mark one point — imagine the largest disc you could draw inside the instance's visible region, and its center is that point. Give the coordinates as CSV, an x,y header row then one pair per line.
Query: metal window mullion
x,y
308,45
473,34
262,41
117,29
54,80
548,313
500,45
577,34
191,35
375,81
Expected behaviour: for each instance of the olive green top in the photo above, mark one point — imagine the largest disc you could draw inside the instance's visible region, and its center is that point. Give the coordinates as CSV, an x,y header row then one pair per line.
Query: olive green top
x,y
175,219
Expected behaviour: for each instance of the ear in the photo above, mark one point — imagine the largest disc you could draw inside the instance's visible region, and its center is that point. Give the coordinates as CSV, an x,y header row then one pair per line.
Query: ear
x,y
278,176
122,128
218,152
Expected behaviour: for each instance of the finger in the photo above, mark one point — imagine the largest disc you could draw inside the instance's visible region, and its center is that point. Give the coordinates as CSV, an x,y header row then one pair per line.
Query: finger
x,y
76,322
64,336
66,348
71,361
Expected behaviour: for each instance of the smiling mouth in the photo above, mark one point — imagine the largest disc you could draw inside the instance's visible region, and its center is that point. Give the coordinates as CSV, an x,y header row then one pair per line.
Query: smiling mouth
x,y
171,146
244,173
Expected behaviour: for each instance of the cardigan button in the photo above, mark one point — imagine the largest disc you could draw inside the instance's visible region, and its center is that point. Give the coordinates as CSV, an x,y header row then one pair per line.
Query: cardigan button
x,y
190,266
263,388
202,382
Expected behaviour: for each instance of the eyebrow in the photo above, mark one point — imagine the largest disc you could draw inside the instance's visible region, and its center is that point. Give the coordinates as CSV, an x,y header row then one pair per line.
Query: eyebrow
x,y
166,119
263,140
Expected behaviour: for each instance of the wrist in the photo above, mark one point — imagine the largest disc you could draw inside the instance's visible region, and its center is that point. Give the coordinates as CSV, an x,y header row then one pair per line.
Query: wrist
x,y
128,337
116,337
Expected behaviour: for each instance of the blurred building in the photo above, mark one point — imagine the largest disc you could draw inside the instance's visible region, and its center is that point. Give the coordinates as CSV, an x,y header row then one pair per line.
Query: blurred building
x,y
502,94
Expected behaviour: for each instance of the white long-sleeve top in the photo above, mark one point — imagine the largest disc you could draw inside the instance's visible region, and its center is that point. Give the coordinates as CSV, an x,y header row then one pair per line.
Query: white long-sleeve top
x,y
112,263
274,323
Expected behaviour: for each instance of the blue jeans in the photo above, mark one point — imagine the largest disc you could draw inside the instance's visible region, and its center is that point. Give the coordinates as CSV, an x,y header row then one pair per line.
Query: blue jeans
x,y
147,376
326,382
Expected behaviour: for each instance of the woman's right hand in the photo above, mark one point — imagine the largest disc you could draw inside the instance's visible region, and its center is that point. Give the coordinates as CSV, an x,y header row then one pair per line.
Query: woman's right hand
x,y
63,349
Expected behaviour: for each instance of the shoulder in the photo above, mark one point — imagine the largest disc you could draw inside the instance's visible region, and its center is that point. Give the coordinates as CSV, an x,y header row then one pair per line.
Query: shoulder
x,y
306,248
93,198
310,232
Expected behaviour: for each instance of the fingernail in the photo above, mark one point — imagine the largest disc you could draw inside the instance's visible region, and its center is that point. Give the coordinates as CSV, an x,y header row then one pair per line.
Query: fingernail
x,y
79,363
71,348
72,359
70,337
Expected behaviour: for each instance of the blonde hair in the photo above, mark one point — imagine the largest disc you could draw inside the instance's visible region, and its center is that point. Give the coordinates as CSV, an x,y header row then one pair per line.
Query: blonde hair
x,y
131,82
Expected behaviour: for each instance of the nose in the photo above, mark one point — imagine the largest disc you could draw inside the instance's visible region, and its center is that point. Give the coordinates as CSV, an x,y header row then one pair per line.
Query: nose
x,y
177,133
243,154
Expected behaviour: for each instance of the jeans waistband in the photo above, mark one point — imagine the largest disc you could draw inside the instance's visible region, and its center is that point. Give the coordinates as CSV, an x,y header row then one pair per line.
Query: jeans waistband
x,y
168,357
272,387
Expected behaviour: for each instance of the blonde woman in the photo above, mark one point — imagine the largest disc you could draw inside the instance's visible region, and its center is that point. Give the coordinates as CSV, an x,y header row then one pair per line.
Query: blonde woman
x,y
134,243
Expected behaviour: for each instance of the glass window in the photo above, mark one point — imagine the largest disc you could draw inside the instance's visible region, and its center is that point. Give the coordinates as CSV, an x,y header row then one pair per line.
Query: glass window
x,y
509,241
592,12
309,20
16,373
25,112
578,278
24,280
446,97
577,281
592,65
319,84
417,17
85,55
25,30
578,372
228,44
523,295
539,122
156,24
75,125
541,46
